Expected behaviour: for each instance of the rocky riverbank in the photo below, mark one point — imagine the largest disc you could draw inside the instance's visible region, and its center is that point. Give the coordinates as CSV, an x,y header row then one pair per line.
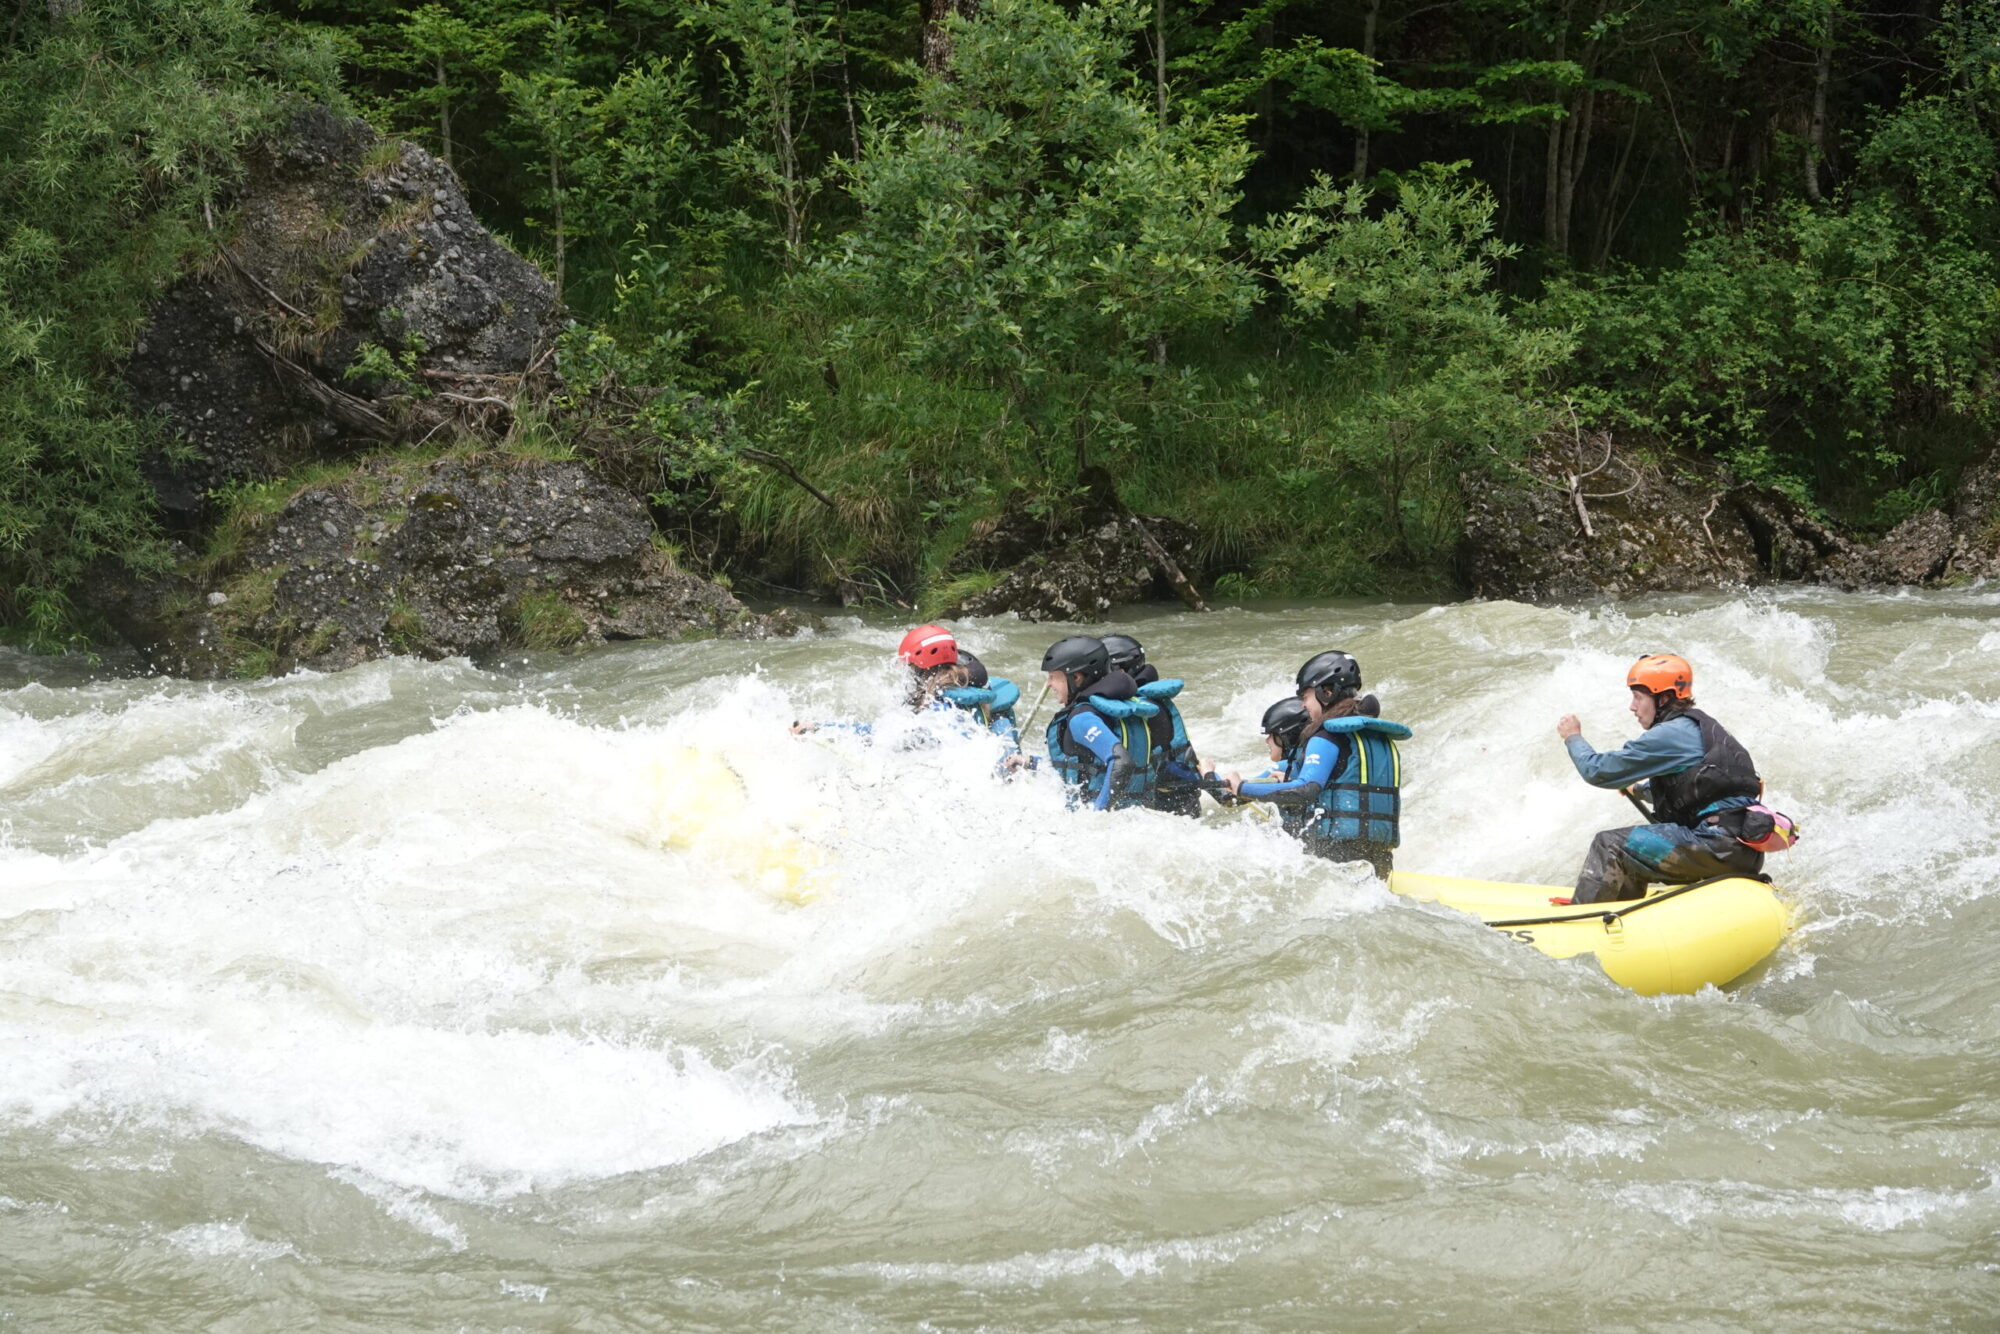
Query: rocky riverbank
x,y
1587,518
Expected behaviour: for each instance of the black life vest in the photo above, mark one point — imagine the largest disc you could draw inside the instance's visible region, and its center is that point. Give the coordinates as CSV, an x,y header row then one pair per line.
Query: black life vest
x,y
1725,771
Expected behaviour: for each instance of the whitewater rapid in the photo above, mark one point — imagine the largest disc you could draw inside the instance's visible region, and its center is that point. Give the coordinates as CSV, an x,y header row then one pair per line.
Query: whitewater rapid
x,y
575,992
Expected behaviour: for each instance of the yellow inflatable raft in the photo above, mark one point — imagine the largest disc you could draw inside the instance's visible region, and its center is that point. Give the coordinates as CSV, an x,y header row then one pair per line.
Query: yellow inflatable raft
x,y
701,806
1678,939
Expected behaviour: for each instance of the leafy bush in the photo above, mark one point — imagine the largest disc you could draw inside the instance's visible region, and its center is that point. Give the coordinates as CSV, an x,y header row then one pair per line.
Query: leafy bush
x,y
1806,340
1402,300
120,128
1043,230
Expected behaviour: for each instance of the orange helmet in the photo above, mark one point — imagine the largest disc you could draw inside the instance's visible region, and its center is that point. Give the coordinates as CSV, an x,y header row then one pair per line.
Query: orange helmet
x,y
928,646
1662,674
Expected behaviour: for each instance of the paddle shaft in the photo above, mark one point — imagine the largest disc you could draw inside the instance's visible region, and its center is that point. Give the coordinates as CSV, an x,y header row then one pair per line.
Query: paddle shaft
x,y
1637,804
1038,707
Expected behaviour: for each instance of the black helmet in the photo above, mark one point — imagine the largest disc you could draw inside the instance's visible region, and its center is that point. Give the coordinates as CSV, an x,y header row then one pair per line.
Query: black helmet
x,y
1331,670
975,670
1126,655
1079,654
1286,721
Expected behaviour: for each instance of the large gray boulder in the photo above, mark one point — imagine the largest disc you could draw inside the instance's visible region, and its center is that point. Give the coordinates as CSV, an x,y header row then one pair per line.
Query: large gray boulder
x,y
356,311
344,247
458,555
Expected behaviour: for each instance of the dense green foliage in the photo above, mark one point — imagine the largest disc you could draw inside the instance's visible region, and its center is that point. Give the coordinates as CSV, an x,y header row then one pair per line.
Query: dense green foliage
x,y
1288,270
119,126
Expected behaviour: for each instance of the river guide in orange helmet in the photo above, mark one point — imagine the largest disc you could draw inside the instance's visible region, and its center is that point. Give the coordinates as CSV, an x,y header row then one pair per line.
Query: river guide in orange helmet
x,y
1704,788
1662,674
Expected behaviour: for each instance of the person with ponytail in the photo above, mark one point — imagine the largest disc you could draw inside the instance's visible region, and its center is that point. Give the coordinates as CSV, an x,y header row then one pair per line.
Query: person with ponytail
x,y
1347,777
946,676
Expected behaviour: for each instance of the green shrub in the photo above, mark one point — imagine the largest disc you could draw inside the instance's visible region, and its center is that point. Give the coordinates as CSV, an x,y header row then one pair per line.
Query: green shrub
x,y
121,126
1805,345
542,621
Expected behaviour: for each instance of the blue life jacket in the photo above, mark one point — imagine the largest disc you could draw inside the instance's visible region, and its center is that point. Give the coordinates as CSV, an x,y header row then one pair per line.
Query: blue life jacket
x,y
992,704
1364,802
1167,732
1127,720
976,700
1005,696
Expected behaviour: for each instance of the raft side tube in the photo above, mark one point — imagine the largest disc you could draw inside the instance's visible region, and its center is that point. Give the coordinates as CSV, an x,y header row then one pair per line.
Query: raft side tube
x,y
1676,940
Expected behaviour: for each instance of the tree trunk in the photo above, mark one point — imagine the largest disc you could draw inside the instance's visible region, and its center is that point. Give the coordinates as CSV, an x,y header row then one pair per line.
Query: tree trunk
x,y
1368,50
791,190
444,114
1267,102
1552,167
1552,163
1576,148
1608,223
556,203
846,88
1816,134
934,41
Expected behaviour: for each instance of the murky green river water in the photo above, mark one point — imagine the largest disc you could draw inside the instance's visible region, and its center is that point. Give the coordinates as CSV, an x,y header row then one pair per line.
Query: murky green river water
x,y
427,997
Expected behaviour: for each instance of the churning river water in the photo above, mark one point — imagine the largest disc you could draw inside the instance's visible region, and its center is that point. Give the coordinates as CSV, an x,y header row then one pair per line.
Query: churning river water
x,y
575,994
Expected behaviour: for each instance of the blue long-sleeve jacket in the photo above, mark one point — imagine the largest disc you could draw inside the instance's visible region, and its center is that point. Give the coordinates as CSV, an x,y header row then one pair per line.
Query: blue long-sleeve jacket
x,y
1173,769
1323,758
1665,748
1003,727
1088,730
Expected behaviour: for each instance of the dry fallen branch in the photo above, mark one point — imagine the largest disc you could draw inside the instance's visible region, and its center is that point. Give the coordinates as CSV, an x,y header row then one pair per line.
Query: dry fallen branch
x,y
1572,482
431,373
1182,585
354,413
258,283
778,464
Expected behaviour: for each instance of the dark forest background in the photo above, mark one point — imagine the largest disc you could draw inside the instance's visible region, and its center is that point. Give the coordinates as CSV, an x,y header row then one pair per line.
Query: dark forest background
x,y
1288,270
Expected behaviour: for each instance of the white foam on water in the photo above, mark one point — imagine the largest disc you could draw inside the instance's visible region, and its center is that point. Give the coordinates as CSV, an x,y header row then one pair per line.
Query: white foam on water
x,y
1063,1052
1123,1261
407,1206
225,1240
527,1292
1870,1209
488,958
512,947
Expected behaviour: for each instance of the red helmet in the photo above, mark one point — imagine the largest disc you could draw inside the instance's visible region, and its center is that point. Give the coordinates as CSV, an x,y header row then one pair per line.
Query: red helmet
x,y
928,646
1662,674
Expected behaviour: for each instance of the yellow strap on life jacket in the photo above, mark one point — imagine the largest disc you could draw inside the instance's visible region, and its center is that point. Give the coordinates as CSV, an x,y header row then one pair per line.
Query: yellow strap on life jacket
x,y
1144,753
1395,762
